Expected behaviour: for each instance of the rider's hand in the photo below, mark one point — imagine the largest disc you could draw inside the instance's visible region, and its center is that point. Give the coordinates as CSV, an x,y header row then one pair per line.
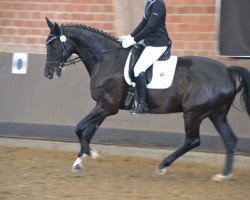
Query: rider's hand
x,y
124,37
129,41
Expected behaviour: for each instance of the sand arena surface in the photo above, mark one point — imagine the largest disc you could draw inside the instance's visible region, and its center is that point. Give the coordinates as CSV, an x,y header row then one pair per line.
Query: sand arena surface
x,y
45,174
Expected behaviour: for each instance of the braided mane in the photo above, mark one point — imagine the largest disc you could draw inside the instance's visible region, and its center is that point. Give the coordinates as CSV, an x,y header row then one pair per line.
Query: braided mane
x,y
94,30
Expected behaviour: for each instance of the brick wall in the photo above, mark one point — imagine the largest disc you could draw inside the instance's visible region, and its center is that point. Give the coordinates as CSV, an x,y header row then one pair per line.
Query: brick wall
x,y
191,23
192,26
23,27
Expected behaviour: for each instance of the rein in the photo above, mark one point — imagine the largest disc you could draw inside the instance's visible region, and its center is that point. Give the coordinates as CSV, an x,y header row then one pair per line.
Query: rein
x,y
78,59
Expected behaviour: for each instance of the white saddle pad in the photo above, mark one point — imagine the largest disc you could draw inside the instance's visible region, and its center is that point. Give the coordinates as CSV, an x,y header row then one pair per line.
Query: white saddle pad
x,y
163,73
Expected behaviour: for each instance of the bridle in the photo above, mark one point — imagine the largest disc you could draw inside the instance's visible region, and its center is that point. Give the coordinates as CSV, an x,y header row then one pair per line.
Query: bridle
x,y
62,63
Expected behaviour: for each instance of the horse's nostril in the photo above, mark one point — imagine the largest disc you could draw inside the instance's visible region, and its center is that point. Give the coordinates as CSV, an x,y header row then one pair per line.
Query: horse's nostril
x,y
48,75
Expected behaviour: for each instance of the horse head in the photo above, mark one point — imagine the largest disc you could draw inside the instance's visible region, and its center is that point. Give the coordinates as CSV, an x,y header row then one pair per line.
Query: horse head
x,y
91,45
58,51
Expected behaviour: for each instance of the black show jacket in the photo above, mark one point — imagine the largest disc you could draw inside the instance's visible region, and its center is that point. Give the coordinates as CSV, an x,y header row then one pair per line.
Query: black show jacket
x,y
153,26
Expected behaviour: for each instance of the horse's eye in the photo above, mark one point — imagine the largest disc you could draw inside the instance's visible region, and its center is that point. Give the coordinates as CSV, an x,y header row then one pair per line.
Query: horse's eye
x,y
54,46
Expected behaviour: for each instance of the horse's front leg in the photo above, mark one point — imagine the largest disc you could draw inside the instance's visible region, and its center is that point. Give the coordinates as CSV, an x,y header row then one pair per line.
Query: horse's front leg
x,y
85,130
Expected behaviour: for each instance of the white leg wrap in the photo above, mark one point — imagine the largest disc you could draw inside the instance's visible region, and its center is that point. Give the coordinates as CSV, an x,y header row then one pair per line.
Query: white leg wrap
x,y
96,155
161,171
78,163
220,177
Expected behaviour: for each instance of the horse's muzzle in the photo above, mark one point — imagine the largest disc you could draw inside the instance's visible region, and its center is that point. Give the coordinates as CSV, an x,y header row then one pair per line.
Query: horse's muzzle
x,y
50,73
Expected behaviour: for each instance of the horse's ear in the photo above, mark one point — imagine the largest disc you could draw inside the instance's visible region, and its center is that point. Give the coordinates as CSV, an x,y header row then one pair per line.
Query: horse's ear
x,y
50,24
57,30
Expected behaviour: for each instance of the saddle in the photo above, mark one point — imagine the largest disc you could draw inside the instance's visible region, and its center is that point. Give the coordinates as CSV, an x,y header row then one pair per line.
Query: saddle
x,y
135,54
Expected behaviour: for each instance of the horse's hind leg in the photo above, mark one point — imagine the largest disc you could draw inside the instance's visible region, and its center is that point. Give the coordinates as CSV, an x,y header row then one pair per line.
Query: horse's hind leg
x,y
85,130
220,122
192,140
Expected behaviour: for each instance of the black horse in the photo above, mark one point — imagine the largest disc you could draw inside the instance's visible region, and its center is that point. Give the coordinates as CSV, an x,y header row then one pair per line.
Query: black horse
x,y
201,88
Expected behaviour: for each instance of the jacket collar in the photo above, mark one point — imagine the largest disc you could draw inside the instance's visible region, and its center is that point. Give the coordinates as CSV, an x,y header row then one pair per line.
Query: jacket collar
x,y
147,6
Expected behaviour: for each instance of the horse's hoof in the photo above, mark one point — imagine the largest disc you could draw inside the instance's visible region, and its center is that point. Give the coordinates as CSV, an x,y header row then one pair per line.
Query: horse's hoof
x,y
96,155
221,178
78,166
77,169
161,171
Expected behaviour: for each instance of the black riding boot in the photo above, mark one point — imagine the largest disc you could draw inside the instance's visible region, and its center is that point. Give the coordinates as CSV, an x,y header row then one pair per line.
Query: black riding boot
x,y
142,95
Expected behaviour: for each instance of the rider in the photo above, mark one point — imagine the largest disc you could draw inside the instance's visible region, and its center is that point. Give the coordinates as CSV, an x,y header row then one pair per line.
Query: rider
x,y
153,30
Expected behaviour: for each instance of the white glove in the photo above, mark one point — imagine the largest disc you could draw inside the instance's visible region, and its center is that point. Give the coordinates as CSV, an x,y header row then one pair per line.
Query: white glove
x,y
123,38
129,41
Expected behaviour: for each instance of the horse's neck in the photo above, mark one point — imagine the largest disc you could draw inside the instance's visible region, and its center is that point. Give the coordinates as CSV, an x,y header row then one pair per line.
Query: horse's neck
x,y
90,49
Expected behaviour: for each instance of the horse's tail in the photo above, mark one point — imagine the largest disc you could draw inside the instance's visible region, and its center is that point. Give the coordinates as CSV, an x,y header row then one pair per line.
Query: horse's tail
x,y
241,77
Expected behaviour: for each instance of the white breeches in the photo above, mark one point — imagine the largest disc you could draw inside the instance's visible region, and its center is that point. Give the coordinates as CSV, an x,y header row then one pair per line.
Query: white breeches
x,y
148,57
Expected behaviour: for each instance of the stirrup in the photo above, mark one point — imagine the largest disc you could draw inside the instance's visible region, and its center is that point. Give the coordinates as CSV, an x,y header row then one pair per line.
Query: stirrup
x,y
140,109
